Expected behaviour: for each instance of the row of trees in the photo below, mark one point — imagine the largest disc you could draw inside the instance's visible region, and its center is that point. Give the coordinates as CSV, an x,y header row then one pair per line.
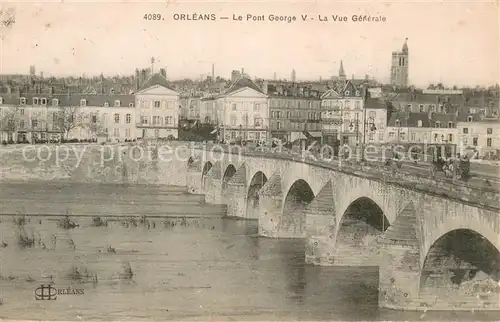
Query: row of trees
x,y
63,121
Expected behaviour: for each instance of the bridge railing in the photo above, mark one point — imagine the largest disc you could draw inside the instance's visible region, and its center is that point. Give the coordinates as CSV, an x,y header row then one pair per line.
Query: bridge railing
x,y
472,191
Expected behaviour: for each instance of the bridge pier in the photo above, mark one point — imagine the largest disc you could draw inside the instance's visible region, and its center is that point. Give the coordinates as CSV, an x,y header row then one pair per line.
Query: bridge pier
x,y
236,198
194,177
213,184
399,270
270,203
320,228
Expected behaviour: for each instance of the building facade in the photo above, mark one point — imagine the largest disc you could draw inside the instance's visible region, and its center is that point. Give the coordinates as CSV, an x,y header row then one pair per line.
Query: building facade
x,y
481,135
157,109
399,67
242,112
342,115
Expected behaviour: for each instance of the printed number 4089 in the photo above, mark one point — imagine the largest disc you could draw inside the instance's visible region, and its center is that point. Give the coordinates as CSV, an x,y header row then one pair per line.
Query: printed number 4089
x,y
153,16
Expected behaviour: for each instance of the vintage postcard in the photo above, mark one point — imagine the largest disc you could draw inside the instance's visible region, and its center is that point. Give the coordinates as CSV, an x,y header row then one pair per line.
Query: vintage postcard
x,y
249,160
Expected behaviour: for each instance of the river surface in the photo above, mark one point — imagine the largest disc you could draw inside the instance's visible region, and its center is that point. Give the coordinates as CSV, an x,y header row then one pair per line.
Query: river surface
x,y
182,269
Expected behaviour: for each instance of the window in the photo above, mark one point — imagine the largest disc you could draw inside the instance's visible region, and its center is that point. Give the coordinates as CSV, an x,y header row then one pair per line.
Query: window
x,y
347,93
450,138
233,134
488,142
127,133
419,123
371,136
168,119
465,130
117,118
469,118
117,103
144,120
44,101
397,123
413,137
157,133
464,140
55,102
474,141
391,135
278,114
402,135
358,93
157,104
21,124
408,107
288,115
21,111
489,130
22,101
451,125
234,106
106,104
94,118
435,137
128,118
156,120
83,102
112,91
35,101
256,107
116,132
278,125
34,123
438,124
257,121
421,108
131,105
358,105
233,120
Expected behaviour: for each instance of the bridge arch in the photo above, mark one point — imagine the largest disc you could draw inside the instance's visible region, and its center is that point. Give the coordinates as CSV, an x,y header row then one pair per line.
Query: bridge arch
x,y
293,219
358,230
258,180
462,267
206,168
228,174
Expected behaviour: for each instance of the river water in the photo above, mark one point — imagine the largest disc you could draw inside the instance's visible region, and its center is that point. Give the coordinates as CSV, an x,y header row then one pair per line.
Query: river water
x,y
182,269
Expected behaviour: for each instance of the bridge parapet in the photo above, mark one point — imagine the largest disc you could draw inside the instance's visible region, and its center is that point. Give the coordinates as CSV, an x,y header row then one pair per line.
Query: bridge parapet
x,y
480,195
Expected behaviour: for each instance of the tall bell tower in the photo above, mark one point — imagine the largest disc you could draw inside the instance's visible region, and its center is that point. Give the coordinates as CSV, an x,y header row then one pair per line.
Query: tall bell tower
x,y
399,67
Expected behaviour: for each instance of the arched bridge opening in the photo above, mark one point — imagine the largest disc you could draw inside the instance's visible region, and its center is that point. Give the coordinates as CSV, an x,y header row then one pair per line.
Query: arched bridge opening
x,y
258,181
461,270
293,221
228,174
357,236
206,168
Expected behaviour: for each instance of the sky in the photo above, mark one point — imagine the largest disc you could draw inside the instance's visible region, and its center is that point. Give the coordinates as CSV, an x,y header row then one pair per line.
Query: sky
x,y
456,43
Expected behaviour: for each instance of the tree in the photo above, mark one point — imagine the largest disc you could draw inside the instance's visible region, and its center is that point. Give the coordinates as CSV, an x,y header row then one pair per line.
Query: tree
x,y
93,124
9,121
69,117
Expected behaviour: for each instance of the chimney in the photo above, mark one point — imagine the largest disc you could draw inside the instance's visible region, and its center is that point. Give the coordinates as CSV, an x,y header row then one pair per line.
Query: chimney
x,y
264,87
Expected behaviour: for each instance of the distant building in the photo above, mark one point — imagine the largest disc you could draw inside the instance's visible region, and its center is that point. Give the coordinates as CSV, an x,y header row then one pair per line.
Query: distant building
x,y
342,117
481,135
399,67
294,76
295,112
242,112
157,109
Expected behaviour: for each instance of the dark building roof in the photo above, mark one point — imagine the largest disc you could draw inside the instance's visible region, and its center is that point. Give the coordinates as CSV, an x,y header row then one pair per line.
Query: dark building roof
x,y
409,119
375,103
242,83
94,100
156,79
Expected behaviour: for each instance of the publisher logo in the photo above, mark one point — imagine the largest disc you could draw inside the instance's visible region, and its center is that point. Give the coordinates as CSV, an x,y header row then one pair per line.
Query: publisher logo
x,y
49,292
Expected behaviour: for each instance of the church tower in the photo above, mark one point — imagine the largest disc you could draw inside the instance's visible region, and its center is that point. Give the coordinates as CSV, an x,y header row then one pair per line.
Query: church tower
x,y
399,67
341,72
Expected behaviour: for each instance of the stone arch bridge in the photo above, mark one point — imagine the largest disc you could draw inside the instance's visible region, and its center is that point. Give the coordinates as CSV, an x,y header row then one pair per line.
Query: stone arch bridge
x,y
430,239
